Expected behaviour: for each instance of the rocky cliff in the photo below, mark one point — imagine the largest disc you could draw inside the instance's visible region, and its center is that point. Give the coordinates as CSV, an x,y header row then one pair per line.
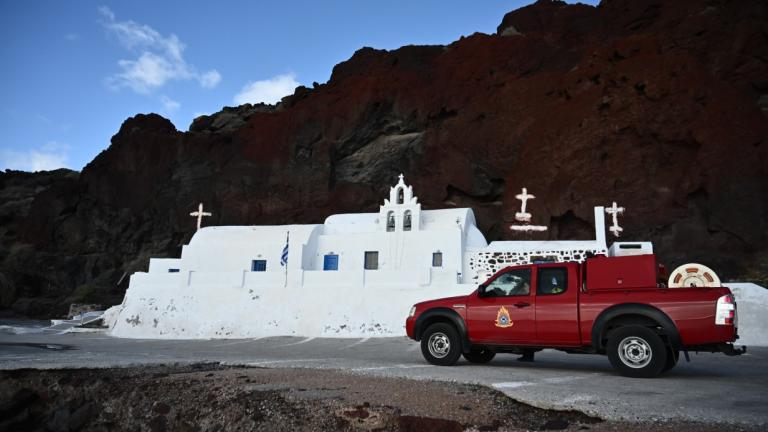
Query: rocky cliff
x,y
660,106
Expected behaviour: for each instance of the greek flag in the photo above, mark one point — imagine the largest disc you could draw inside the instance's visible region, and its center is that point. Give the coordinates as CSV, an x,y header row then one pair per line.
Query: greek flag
x,y
284,257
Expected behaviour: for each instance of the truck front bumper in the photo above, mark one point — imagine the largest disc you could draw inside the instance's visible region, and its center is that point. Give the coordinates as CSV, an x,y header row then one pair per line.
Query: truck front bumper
x,y
409,327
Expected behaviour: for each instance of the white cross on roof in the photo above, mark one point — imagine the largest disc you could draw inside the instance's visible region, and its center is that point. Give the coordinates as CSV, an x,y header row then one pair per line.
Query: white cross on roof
x,y
614,210
199,214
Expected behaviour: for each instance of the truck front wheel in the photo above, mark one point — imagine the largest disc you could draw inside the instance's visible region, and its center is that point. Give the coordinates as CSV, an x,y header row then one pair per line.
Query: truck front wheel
x,y
440,344
636,351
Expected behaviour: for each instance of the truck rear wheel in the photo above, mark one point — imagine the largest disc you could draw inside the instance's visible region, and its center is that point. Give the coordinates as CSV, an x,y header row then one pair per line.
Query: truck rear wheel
x,y
479,355
636,351
440,344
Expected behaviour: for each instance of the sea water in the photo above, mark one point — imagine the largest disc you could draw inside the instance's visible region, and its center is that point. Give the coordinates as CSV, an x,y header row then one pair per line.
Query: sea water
x,y
22,326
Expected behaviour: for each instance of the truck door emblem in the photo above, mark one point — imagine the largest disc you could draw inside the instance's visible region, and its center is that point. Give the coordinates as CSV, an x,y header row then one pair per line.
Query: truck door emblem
x,y
502,318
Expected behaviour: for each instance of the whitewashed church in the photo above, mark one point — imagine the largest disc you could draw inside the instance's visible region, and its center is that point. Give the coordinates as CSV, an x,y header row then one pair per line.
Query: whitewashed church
x,y
355,275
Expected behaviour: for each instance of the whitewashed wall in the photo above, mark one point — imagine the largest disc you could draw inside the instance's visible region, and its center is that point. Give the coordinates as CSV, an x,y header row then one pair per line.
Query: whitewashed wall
x,y
402,250
225,310
215,295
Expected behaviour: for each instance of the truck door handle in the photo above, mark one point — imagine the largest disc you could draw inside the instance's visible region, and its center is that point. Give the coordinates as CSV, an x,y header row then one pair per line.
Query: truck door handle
x,y
522,304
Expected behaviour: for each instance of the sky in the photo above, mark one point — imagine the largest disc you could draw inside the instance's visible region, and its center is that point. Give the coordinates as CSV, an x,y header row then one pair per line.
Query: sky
x,y
73,71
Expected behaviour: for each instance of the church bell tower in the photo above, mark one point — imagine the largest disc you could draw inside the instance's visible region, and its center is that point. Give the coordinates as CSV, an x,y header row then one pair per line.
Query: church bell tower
x,y
401,212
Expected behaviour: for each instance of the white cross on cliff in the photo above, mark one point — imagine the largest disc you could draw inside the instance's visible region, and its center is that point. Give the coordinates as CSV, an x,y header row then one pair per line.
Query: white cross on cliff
x,y
615,211
523,216
199,214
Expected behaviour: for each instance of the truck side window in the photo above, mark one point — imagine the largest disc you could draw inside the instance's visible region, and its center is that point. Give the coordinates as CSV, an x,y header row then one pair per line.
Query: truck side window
x,y
512,283
552,281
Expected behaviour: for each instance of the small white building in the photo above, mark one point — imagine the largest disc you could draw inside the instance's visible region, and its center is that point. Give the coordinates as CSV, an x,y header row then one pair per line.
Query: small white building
x,y
355,275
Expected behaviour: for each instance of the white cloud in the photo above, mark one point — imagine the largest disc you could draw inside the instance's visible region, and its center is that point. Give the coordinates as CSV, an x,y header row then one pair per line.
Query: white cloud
x,y
210,79
144,74
52,155
106,12
169,104
268,91
71,37
160,59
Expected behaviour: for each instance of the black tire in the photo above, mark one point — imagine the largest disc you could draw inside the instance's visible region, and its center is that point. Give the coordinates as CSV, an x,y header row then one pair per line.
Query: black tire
x,y
479,355
637,352
673,356
440,344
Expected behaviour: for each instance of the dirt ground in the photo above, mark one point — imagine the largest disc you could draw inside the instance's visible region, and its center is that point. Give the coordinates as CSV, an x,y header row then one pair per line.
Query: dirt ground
x,y
211,397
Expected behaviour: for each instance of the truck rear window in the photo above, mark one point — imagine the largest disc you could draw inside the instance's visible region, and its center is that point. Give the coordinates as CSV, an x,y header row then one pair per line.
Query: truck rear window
x,y
552,281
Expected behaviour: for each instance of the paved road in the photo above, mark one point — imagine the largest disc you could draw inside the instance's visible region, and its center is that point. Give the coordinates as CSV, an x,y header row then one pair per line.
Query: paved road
x,y
711,388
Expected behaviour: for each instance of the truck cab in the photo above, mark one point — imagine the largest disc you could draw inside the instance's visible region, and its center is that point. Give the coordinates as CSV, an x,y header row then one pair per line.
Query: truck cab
x,y
606,305
527,305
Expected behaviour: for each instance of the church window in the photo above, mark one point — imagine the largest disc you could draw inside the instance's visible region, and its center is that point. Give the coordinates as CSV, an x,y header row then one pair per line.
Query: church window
x,y
400,196
330,262
390,221
173,270
437,259
371,260
259,265
407,221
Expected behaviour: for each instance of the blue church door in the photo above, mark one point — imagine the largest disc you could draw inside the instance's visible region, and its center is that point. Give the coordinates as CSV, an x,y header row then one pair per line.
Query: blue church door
x,y
331,262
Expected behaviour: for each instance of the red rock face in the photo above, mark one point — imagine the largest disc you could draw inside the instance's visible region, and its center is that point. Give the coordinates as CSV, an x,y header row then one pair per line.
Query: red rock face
x,y
660,106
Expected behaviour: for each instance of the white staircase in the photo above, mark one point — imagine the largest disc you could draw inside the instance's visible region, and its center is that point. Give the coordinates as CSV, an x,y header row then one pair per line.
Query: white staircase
x,y
87,320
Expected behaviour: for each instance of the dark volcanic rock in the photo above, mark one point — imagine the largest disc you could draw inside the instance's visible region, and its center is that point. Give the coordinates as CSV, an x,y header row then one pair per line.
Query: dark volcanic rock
x,y
229,119
549,16
656,105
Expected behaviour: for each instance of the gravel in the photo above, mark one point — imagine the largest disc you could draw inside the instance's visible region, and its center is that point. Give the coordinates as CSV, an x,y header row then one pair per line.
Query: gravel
x,y
212,397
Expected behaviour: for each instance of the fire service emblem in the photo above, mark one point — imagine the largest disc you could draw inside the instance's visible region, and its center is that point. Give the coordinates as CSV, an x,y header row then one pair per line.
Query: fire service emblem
x,y
502,318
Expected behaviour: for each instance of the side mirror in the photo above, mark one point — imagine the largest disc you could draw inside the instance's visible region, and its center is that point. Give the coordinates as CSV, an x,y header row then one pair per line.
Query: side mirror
x,y
481,290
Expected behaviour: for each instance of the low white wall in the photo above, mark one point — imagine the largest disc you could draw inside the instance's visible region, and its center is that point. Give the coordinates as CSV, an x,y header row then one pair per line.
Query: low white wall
x,y
401,278
216,279
441,276
333,278
159,281
316,310
256,279
752,304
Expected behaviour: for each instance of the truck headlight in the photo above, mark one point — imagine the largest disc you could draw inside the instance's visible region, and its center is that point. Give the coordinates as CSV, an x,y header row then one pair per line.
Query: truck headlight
x,y
412,312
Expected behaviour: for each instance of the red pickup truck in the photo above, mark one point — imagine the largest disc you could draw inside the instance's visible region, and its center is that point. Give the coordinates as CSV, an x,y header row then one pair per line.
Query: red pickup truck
x,y
605,305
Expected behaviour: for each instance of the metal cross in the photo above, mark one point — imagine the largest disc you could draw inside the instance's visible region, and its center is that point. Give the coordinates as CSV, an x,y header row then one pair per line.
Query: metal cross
x,y
199,214
522,216
615,211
